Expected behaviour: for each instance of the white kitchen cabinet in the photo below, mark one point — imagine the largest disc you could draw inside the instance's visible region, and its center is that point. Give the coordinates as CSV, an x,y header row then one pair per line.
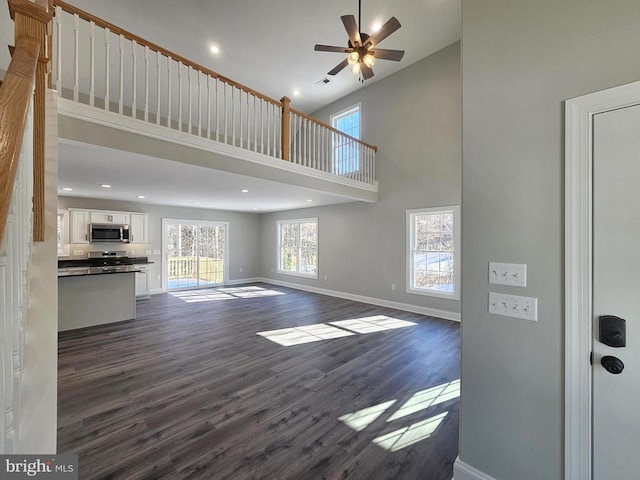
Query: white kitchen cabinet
x,y
142,281
80,220
119,218
138,228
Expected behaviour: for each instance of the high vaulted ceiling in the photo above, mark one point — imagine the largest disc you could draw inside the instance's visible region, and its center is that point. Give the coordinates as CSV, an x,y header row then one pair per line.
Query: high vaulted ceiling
x,y
267,45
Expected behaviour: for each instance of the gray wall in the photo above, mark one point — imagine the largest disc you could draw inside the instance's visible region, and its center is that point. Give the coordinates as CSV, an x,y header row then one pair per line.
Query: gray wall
x,y
520,61
414,118
244,234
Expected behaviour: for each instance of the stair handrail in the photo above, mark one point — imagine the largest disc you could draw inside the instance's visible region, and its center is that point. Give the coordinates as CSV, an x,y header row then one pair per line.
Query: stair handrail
x,y
16,92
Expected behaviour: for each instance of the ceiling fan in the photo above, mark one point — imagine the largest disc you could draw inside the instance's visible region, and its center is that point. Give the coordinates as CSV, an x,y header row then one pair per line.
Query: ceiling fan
x,y
361,52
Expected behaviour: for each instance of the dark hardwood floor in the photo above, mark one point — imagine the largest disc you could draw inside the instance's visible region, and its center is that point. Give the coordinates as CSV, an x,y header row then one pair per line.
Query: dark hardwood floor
x,y
189,390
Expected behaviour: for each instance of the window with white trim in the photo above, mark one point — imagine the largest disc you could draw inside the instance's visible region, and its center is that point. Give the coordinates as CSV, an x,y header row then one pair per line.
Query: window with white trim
x,y
433,251
346,151
298,247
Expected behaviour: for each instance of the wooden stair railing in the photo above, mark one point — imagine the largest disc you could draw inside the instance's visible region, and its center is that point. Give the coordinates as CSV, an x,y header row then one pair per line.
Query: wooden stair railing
x,y
27,71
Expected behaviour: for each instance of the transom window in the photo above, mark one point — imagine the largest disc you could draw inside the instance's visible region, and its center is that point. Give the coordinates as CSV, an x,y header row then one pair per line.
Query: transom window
x,y
298,247
346,152
433,248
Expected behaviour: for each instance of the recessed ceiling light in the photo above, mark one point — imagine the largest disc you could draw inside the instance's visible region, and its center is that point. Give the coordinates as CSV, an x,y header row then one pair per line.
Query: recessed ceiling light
x,y
141,197
196,203
244,190
309,200
214,49
296,93
254,208
67,189
105,185
376,26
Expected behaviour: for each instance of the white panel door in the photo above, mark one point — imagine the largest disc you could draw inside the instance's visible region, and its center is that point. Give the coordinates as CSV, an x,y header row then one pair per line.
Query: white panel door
x,y
616,292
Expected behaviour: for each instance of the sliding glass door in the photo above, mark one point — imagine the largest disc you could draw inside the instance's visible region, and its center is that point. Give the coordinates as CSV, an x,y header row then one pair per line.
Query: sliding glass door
x,y
195,253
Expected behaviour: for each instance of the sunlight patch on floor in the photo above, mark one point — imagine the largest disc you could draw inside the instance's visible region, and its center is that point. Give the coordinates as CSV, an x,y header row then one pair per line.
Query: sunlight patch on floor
x,y
426,398
305,334
406,436
377,323
361,419
223,293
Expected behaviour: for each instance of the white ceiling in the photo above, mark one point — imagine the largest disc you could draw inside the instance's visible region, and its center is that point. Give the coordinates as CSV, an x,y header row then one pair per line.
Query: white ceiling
x,y
267,46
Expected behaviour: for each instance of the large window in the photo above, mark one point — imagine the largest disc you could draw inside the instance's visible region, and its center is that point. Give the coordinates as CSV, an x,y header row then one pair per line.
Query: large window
x,y
433,247
346,152
298,247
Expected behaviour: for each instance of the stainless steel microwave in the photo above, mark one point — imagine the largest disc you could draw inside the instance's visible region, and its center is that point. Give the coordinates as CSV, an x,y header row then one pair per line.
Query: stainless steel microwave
x,y
108,232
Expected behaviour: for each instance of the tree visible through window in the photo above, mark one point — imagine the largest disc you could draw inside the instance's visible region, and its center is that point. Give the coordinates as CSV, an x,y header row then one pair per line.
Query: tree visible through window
x,y
346,152
298,247
432,263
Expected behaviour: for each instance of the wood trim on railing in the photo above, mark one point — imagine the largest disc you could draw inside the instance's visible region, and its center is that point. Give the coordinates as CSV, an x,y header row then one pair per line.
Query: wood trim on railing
x,y
33,20
157,48
334,130
285,130
15,97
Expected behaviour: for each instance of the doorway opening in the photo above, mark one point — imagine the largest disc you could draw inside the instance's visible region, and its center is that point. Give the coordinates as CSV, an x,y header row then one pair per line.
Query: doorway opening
x,y
195,254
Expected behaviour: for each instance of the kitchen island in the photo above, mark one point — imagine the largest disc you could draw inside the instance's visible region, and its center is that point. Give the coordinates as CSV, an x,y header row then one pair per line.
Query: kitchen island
x,y
90,296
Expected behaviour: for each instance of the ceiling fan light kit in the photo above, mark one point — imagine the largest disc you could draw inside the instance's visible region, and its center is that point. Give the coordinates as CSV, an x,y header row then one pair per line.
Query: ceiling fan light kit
x,y
361,53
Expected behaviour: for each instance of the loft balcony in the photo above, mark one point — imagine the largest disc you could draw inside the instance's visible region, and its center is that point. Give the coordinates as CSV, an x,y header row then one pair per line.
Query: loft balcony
x,y
120,92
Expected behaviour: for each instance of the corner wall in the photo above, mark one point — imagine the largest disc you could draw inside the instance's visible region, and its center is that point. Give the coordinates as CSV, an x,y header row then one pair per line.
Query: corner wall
x,y
414,116
520,61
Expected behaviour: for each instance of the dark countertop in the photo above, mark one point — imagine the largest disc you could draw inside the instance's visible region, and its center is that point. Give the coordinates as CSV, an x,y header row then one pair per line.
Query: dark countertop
x,y
104,270
101,262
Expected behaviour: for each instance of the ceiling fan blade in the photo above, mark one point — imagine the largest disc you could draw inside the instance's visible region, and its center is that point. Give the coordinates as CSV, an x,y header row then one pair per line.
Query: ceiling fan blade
x,y
395,55
351,27
387,29
338,67
329,48
367,73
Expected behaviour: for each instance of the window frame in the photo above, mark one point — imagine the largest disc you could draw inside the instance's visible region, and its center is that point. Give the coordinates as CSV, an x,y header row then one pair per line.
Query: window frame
x,y
334,118
297,273
410,225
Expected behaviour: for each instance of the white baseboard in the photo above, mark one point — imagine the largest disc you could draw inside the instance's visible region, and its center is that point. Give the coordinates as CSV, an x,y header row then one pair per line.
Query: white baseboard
x,y
433,312
155,291
462,471
244,280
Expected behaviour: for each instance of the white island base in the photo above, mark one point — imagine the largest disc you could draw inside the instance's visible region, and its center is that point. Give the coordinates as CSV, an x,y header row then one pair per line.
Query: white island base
x,y
87,300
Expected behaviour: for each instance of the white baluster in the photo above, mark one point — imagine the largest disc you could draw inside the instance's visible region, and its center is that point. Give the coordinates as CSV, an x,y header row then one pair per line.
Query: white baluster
x,y
225,99
158,64
233,115
146,84
169,62
180,96
314,158
121,99
217,112
92,63
134,79
76,57
190,121
106,69
294,153
199,105
262,102
268,129
241,137
276,147
208,106
255,124
58,55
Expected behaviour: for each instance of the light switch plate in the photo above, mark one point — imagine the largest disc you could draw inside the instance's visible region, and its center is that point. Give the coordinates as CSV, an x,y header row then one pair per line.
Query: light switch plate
x,y
512,274
156,252
514,306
